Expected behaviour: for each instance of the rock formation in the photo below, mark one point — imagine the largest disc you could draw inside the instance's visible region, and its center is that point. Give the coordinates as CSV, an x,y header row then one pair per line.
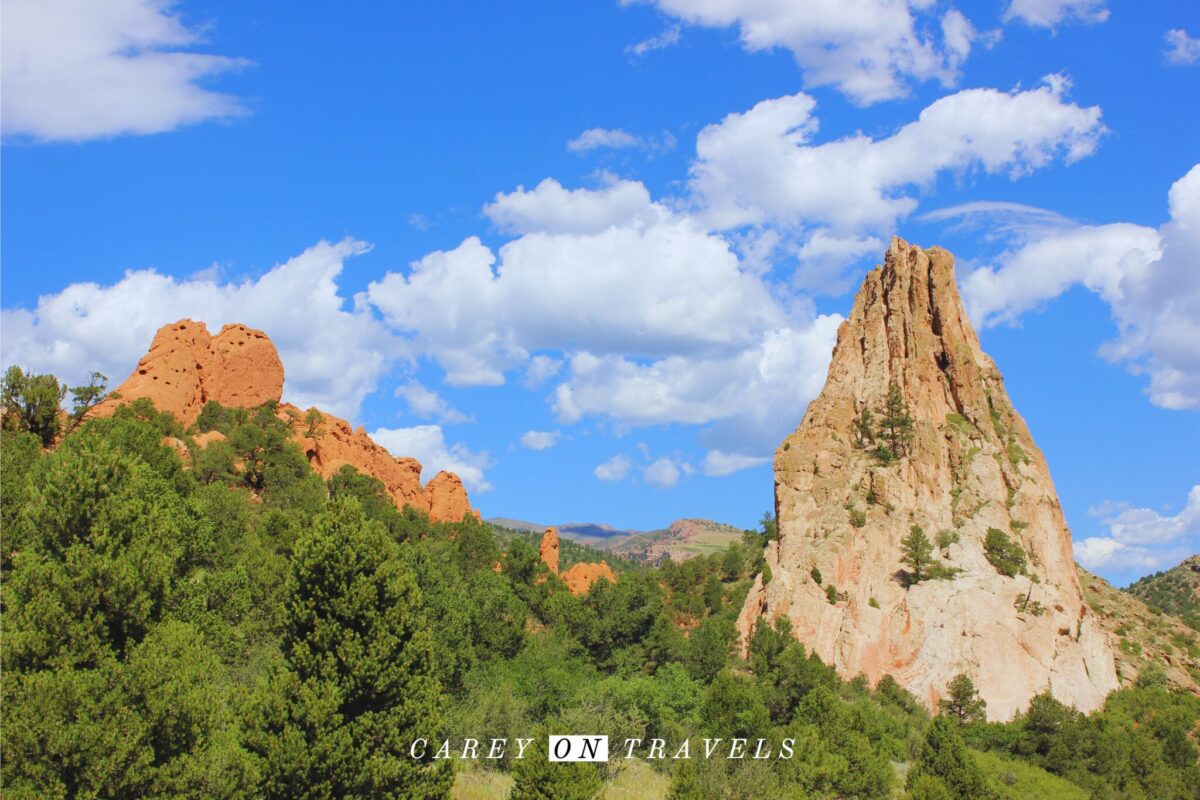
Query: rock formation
x,y
186,367
971,465
548,550
580,577
239,367
448,499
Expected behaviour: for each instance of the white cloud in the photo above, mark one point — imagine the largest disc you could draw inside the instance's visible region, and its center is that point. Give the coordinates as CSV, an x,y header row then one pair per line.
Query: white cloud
x,y
667,38
615,469
1097,256
760,166
539,440
749,399
427,444
1142,538
540,369
1181,48
333,352
1148,278
867,49
425,402
1144,526
549,208
617,139
84,69
717,463
1098,552
655,284
594,138
662,474
1050,13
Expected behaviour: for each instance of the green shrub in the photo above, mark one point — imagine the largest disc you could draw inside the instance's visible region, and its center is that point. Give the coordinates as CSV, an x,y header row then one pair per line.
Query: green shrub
x,y
1006,555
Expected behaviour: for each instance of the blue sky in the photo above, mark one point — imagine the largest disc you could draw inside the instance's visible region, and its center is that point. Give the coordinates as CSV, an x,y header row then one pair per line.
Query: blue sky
x,y
592,255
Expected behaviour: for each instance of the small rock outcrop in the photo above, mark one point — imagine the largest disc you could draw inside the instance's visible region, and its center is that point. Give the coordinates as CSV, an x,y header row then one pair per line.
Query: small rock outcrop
x,y
548,550
580,577
968,474
186,367
239,367
448,500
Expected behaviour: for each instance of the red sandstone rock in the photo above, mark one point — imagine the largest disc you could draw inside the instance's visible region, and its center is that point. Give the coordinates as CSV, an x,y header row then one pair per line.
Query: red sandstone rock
x,y
203,440
186,367
239,367
549,549
580,577
448,500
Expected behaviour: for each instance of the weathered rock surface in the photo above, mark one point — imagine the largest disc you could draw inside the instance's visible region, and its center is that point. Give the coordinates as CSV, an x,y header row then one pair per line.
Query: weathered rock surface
x,y
239,367
548,549
972,466
186,367
448,500
580,577
331,443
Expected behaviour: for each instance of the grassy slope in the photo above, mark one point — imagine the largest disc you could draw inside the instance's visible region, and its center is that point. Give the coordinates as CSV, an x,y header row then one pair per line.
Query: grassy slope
x,y
1015,780
1144,636
1176,591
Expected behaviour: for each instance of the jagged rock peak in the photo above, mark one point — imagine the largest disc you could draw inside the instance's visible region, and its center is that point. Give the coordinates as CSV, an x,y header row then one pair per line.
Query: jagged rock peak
x,y
969,466
187,366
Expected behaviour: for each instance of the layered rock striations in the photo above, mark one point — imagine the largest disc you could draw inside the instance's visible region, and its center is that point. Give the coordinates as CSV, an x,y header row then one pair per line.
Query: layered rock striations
x,y
239,367
836,568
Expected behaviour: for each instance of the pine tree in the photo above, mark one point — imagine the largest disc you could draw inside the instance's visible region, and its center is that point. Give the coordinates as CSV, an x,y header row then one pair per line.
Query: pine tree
x,y
31,403
358,686
896,425
944,760
864,428
917,553
538,778
963,701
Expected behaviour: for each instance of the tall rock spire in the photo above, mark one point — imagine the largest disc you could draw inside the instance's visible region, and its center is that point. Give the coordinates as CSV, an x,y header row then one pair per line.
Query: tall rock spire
x,y
968,471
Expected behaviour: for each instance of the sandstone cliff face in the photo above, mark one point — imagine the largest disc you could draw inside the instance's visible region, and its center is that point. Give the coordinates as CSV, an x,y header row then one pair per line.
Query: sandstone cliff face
x,y
239,367
186,367
972,466
548,550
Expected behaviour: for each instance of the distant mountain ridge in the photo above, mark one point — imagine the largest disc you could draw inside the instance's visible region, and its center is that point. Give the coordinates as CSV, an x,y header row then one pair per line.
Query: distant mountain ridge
x,y
681,540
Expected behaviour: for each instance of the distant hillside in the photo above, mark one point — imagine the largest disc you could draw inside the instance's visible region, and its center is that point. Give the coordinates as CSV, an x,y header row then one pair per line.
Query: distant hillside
x,y
1143,636
569,552
1176,591
680,541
